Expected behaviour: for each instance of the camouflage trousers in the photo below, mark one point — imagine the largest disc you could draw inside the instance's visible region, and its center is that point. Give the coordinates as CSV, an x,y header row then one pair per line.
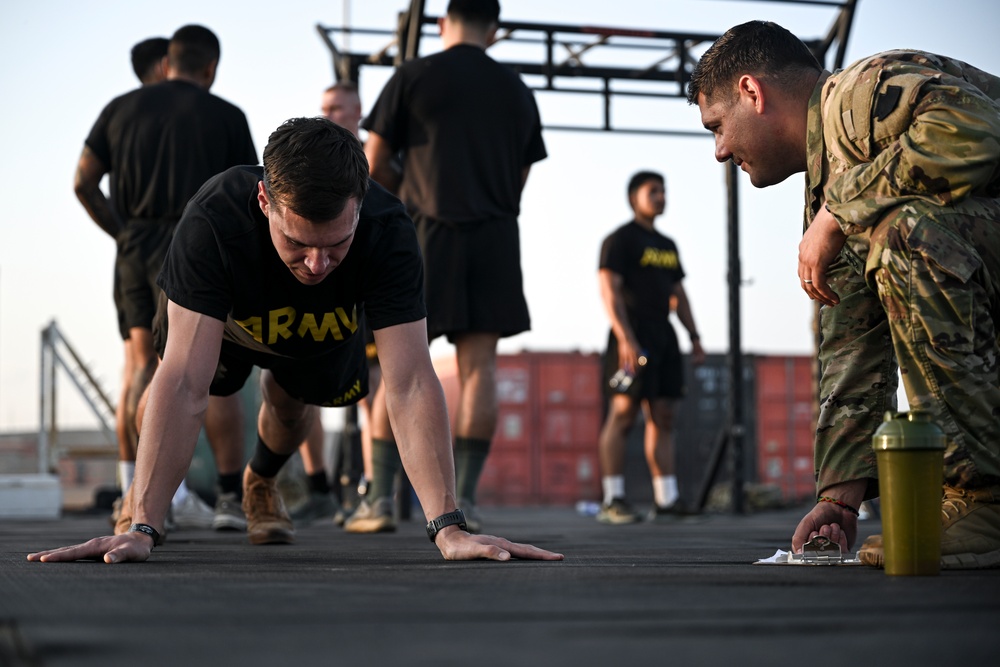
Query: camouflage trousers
x,y
921,290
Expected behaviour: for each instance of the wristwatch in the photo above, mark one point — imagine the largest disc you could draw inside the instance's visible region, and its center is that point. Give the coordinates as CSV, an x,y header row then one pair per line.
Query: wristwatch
x,y
450,519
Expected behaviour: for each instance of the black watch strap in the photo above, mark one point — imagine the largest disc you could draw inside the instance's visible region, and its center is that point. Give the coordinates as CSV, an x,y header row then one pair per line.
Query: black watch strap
x,y
145,529
456,518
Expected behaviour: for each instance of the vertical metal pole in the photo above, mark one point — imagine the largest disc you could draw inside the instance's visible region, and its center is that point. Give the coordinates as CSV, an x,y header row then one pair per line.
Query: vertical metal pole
x,y
45,399
53,394
736,422
43,444
607,105
347,23
415,29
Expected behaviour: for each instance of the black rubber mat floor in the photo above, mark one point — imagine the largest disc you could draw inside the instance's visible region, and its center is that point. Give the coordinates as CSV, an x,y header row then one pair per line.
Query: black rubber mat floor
x,y
677,593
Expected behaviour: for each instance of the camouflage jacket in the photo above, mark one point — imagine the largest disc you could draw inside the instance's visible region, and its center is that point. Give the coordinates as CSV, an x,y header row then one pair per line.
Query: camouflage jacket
x,y
870,127
896,128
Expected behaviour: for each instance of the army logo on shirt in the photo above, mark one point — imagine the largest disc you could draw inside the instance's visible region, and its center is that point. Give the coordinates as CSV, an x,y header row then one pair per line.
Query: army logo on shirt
x,y
661,259
286,322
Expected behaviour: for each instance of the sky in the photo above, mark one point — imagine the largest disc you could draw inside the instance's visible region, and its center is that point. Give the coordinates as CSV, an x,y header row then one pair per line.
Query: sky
x,y
61,61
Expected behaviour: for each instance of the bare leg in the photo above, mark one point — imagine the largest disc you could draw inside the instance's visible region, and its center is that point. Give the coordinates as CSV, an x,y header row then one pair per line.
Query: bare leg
x,y
375,417
224,429
611,451
659,447
283,421
144,363
124,428
476,354
659,436
611,444
311,448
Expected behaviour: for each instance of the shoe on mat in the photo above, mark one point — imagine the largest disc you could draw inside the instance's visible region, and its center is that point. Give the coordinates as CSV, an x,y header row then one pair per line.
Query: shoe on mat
x,y
970,532
871,552
315,506
473,520
342,515
617,512
970,524
229,513
124,520
372,517
267,519
116,511
192,513
659,513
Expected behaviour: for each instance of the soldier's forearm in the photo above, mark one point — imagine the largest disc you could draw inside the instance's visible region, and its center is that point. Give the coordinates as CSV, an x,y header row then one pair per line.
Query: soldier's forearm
x,y
98,208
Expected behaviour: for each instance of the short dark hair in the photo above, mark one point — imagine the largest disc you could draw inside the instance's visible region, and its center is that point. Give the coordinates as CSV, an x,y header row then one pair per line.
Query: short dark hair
x,y
761,48
193,48
146,54
313,167
640,178
482,13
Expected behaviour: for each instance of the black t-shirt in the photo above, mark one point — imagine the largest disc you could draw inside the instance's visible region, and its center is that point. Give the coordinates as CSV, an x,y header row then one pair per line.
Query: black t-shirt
x,y
162,142
650,269
223,264
467,126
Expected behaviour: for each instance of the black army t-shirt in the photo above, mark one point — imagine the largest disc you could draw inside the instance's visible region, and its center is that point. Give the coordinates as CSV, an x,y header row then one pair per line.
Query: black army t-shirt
x,y
162,142
467,126
650,269
223,264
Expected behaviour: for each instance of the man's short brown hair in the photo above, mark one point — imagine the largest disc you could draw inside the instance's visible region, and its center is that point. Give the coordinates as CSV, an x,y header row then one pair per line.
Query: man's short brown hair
x,y
761,48
313,167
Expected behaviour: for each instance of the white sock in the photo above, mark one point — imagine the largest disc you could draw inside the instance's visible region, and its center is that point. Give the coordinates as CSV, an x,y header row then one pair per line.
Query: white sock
x,y
614,487
665,490
180,495
126,473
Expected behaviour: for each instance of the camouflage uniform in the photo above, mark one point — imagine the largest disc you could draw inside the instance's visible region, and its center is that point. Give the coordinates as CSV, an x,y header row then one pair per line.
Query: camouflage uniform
x,y
904,149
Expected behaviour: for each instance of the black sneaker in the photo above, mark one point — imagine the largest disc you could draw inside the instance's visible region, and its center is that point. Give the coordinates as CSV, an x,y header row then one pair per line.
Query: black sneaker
x,y
658,513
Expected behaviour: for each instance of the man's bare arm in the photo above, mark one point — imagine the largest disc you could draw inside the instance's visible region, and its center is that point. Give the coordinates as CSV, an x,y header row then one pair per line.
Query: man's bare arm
x,y
87,185
379,154
613,299
686,316
178,397
419,420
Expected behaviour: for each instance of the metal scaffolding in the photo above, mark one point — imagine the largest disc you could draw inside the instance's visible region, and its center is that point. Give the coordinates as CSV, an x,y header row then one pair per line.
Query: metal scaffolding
x,y
56,352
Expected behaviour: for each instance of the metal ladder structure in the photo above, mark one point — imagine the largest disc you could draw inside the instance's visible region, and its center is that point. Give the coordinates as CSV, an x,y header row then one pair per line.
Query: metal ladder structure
x,y
57,352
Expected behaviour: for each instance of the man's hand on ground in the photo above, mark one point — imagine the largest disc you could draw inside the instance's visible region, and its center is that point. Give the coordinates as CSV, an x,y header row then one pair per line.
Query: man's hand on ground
x,y
113,549
460,545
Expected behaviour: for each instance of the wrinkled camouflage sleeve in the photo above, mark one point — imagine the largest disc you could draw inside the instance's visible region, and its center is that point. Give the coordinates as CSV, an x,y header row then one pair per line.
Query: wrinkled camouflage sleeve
x,y
916,126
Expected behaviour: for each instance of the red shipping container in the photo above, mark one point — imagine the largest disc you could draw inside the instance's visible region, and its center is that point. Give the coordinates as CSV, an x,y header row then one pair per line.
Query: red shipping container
x,y
568,476
508,478
545,446
786,424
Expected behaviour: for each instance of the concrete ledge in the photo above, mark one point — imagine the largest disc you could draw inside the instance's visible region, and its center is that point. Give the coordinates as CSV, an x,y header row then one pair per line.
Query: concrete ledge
x,y
34,496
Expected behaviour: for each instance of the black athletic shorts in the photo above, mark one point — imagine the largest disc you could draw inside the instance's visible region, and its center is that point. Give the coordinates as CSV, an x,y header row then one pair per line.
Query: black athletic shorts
x,y
663,374
142,247
304,379
472,277
308,380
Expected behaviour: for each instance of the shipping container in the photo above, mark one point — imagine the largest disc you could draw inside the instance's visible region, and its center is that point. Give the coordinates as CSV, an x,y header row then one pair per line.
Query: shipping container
x,y
544,451
551,409
786,424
